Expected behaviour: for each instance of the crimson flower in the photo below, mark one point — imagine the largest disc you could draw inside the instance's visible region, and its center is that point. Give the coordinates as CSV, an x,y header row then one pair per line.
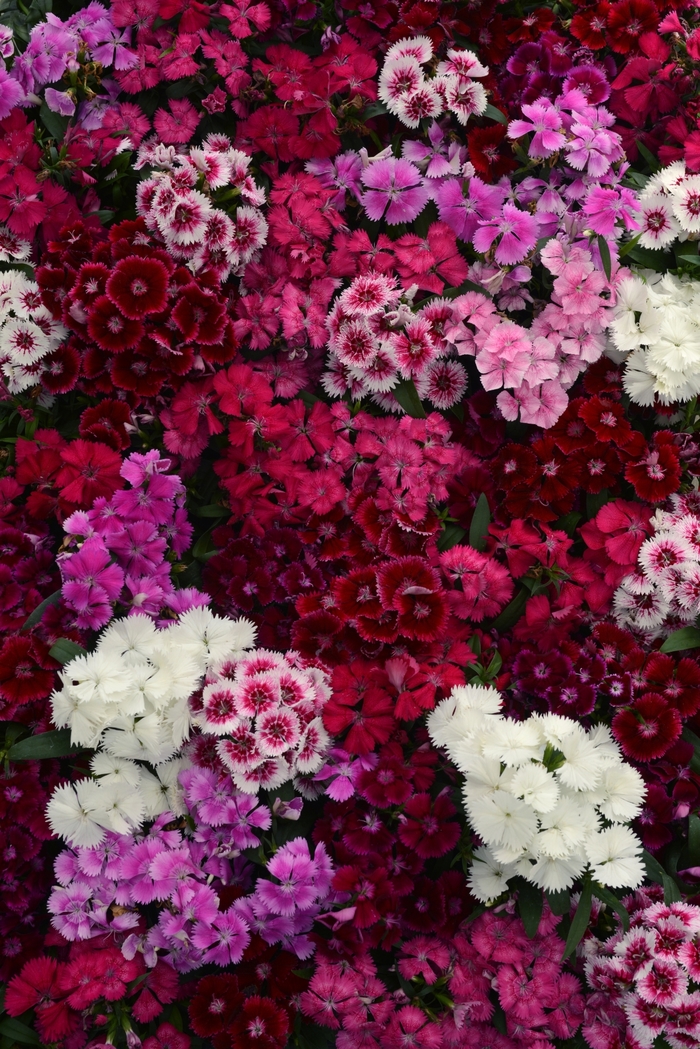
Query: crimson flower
x,y
89,471
412,588
26,670
106,422
260,1024
426,825
657,475
110,328
628,20
647,729
214,1004
138,286
36,985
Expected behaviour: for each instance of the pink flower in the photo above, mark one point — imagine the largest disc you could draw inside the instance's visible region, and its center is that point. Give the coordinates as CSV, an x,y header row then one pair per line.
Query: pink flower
x,y
180,124
517,230
394,186
545,120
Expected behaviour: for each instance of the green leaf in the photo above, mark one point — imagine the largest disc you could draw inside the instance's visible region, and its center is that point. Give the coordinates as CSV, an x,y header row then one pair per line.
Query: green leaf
x,y
559,902
478,529
626,248
655,872
495,114
64,650
38,612
464,287
213,510
54,744
568,523
695,259
19,1032
694,840
511,613
530,904
309,399
604,894
376,109
595,502
580,920
604,250
55,124
694,741
679,640
407,396
451,535
649,157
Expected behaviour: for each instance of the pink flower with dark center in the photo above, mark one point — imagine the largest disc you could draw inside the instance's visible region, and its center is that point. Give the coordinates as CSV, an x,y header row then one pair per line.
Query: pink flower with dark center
x,y
517,231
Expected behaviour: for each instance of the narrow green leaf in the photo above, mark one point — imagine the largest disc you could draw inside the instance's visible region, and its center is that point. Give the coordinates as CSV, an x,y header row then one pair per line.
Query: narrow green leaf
x,y
530,904
580,920
604,250
407,396
38,612
559,902
495,114
213,510
64,650
626,248
309,399
649,157
655,872
376,109
478,529
568,523
695,259
451,535
54,744
608,897
679,640
464,287
55,124
511,613
19,1032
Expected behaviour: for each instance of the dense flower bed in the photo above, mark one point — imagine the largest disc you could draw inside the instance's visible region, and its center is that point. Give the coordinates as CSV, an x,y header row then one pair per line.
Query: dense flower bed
x,y
350,524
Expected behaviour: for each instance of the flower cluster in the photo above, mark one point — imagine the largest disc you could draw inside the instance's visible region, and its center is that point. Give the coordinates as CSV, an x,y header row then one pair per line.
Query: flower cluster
x,y
138,321
454,87
537,793
28,333
665,586
115,553
376,340
128,700
644,981
268,706
178,202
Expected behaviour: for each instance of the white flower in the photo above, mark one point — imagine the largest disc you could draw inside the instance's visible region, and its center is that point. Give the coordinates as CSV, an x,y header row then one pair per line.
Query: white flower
x,y
75,813
583,765
488,878
556,874
122,806
686,203
209,638
162,792
513,742
114,770
132,639
564,829
621,793
534,785
614,854
501,819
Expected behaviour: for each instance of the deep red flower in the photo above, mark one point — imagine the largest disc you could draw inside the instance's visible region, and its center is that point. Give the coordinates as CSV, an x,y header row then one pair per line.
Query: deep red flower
x,y
199,315
105,422
26,670
413,589
628,20
138,286
489,152
647,729
589,26
260,1024
89,470
607,420
678,682
427,827
61,369
215,1004
657,474
110,329
167,1037
370,890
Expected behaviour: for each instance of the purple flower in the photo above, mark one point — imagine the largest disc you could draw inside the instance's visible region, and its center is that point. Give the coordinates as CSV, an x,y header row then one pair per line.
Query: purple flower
x,y
440,158
61,102
517,230
463,212
169,870
11,94
605,206
545,120
396,187
224,941
116,51
138,547
72,915
341,173
90,582
47,54
6,43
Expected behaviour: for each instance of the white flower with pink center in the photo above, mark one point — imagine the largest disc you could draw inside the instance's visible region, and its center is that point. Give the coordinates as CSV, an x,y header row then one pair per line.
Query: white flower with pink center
x,y
686,203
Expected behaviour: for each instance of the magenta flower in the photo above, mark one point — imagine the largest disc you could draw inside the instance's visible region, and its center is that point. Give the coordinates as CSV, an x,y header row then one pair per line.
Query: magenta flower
x,y
224,941
518,233
91,581
396,187
545,120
